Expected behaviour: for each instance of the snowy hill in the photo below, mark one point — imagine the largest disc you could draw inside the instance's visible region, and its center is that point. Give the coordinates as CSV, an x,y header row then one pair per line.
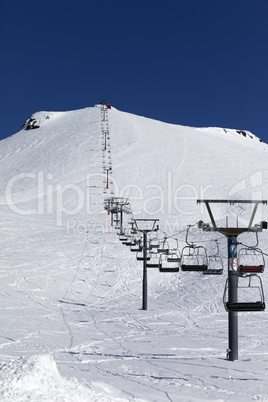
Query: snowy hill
x,y
71,324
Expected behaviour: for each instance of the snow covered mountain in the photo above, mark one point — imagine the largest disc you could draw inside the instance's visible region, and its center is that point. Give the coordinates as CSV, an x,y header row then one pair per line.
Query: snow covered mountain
x,y
71,324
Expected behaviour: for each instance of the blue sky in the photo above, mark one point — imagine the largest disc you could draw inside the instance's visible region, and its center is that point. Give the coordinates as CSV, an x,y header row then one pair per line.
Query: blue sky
x,y
190,62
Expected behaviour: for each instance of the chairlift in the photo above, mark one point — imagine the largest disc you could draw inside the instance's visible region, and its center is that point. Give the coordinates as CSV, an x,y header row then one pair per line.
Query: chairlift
x,y
163,248
137,247
194,258
169,263
215,263
154,260
250,260
123,238
173,257
254,291
140,256
131,242
126,240
114,209
173,245
154,244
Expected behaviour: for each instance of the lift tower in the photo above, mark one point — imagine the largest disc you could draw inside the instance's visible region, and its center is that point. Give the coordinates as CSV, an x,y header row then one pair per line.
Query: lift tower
x,y
145,226
233,306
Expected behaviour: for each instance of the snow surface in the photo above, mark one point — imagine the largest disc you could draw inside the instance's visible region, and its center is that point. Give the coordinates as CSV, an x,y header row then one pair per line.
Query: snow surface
x,y
71,322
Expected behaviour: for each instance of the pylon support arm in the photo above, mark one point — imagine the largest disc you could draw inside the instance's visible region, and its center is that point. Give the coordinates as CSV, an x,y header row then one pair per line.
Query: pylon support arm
x,y
235,231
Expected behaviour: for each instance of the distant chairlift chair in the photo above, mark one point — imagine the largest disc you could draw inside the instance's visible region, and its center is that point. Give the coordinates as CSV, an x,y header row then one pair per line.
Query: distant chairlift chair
x,y
163,246
154,260
169,262
215,263
194,259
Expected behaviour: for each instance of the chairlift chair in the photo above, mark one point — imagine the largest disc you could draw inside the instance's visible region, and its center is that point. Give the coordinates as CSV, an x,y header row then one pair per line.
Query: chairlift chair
x,y
134,232
250,260
173,245
132,227
169,263
140,256
136,248
173,257
153,262
154,243
131,242
163,248
114,209
194,258
243,305
123,238
215,263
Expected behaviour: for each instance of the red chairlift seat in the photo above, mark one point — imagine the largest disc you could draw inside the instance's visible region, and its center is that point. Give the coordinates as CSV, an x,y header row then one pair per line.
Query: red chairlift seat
x,y
250,268
250,260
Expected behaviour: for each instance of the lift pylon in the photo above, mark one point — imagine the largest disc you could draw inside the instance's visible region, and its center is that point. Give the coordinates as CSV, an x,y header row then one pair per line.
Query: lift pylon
x,y
232,304
145,226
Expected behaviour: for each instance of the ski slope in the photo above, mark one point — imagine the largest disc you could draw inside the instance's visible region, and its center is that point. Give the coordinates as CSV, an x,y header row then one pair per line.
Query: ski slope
x,y
72,327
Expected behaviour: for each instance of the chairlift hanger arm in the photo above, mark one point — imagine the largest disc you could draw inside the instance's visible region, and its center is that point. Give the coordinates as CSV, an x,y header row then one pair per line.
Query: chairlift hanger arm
x,y
251,247
186,237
